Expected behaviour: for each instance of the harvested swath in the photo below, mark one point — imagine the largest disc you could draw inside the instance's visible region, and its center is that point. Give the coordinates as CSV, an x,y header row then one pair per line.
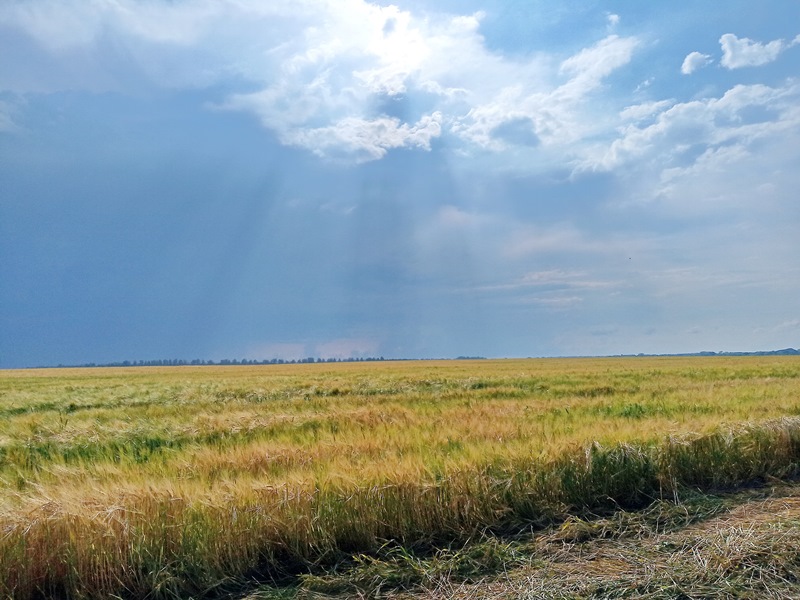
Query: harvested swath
x,y
728,546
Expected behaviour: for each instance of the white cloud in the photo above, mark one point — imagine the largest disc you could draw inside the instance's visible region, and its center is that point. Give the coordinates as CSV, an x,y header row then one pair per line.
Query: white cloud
x,y
718,158
591,65
688,128
744,52
555,115
326,93
322,70
734,182
640,112
695,61
366,139
399,49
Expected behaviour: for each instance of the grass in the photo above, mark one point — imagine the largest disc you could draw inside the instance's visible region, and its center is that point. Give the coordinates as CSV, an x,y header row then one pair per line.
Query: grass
x,y
715,546
177,482
554,559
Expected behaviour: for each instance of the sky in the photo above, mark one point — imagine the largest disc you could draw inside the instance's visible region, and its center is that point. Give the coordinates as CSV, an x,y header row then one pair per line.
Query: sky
x,y
339,178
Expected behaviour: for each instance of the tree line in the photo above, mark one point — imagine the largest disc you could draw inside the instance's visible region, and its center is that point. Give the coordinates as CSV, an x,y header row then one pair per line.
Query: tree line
x,y
180,362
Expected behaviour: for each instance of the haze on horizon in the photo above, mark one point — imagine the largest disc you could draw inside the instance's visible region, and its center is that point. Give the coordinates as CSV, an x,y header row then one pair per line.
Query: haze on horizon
x,y
248,179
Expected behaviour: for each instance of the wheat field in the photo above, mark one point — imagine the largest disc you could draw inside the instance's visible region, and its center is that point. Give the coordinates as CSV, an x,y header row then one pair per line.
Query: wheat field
x,y
197,481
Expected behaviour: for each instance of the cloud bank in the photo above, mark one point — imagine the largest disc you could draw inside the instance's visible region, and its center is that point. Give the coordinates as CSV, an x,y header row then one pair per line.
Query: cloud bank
x,y
340,80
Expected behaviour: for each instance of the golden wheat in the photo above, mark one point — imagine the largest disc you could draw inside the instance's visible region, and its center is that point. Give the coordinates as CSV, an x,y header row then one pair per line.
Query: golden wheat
x,y
152,482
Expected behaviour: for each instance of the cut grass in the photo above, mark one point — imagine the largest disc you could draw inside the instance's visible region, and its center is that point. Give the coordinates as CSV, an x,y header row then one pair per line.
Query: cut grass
x,y
703,545
724,546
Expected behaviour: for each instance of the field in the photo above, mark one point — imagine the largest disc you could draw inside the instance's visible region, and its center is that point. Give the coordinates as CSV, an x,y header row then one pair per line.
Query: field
x,y
210,481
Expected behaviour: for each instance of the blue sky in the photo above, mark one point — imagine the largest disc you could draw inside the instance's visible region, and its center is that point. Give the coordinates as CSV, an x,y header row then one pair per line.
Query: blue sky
x,y
253,179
